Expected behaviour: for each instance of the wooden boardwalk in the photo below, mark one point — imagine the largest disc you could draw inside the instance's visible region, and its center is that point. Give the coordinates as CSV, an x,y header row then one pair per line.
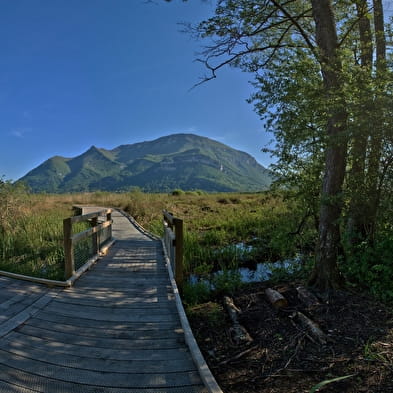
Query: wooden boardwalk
x,y
116,331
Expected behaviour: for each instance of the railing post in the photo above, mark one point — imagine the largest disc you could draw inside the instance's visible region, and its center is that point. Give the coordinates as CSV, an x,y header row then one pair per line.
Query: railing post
x,y
179,252
109,218
95,238
69,263
173,241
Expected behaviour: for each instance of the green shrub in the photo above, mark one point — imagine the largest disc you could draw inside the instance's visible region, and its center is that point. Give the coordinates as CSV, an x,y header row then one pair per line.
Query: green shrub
x,y
223,201
196,293
372,267
226,282
177,192
212,314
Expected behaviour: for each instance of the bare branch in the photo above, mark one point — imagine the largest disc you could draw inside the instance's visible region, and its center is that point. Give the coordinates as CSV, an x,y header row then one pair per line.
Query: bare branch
x,y
295,22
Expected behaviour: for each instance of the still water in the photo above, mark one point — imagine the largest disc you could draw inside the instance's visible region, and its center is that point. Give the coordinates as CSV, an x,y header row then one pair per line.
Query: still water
x,y
260,272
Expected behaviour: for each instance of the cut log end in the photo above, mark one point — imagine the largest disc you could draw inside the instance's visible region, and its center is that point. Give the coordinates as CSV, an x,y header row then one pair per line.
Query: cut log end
x,y
275,298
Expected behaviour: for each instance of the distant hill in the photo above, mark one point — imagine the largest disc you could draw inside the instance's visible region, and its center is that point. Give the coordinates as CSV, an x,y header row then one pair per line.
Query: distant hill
x,y
184,161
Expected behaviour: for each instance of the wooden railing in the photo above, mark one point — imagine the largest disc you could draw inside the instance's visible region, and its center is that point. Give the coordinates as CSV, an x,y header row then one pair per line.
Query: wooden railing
x,y
173,240
100,233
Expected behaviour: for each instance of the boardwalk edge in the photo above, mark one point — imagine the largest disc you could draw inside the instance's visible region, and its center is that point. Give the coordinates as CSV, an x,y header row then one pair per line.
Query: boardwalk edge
x,y
203,369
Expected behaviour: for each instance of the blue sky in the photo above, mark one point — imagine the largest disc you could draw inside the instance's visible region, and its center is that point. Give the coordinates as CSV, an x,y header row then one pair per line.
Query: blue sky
x,y
77,73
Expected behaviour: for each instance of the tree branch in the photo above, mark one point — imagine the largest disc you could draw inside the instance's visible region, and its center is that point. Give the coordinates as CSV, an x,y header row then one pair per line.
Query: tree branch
x,y
295,22
351,27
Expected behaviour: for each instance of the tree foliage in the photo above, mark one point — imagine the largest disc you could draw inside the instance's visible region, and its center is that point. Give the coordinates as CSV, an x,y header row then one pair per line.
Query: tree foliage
x,y
323,83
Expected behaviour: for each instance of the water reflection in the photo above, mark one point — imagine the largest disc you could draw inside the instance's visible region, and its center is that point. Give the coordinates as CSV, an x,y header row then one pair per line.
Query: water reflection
x,y
260,272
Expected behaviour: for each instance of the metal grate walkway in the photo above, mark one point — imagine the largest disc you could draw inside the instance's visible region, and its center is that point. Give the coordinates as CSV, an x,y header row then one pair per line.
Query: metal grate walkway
x,y
116,331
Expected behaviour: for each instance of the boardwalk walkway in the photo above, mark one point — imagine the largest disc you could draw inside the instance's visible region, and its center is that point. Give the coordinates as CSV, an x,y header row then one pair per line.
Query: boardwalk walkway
x,y
116,331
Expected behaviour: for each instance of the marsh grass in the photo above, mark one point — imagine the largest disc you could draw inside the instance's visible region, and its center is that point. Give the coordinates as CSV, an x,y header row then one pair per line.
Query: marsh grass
x,y
34,246
214,225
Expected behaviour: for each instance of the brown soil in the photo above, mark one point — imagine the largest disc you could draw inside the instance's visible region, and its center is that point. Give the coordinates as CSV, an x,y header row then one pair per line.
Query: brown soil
x,y
285,357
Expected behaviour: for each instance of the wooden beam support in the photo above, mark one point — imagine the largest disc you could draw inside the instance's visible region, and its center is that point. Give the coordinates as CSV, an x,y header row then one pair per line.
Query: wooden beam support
x,y
179,252
69,263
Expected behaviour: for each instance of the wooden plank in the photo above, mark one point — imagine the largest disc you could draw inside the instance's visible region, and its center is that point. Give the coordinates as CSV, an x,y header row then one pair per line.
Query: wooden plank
x,y
41,384
113,325
88,232
126,304
89,216
99,342
27,312
129,264
96,353
184,364
103,314
12,388
107,379
138,290
115,297
131,293
87,298
123,279
145,333
17,297
21,286
113,275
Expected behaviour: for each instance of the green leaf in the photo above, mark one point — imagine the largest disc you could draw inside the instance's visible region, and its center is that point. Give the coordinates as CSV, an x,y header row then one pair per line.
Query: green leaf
x,y
327,381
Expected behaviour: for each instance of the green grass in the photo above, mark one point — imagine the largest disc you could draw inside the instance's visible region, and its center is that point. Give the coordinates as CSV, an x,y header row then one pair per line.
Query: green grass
x,y
34,245
213,223
31,234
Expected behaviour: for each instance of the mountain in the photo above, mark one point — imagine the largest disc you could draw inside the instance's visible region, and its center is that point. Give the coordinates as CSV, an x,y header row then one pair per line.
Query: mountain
x,y
184,161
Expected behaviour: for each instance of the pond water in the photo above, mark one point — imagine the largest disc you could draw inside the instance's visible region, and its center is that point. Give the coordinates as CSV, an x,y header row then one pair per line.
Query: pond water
x,y
258,273
250,271
263,271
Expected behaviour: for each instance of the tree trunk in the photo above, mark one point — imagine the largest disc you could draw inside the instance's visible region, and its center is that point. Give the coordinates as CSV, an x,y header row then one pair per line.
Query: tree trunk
x,y
326,274
356,225
373,174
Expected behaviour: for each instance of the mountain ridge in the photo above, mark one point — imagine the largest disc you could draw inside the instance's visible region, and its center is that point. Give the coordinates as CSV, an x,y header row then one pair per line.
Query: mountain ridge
x,y
185,161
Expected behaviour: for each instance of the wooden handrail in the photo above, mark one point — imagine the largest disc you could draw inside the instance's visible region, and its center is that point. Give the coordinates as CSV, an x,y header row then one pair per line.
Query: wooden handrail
x,y
173,240
89,216
94,229
71,239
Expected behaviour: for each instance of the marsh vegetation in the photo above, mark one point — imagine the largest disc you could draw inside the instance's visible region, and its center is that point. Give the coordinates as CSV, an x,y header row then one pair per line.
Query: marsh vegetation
x,y
223,232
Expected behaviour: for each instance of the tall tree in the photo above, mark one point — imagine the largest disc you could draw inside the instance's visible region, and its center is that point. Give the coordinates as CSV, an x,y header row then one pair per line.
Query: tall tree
x,y
376,138
253,35
361,112
324,98
326,274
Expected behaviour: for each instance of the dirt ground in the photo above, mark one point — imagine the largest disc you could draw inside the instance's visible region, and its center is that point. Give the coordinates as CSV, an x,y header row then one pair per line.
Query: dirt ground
x,y
284,355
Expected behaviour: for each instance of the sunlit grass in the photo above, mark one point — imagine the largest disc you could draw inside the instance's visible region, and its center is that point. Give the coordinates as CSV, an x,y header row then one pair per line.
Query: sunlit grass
x,y
214,224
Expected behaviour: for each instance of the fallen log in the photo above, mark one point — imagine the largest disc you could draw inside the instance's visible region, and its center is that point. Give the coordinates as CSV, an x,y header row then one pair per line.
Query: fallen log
x,y
306,297
312,327
275,298
240,333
